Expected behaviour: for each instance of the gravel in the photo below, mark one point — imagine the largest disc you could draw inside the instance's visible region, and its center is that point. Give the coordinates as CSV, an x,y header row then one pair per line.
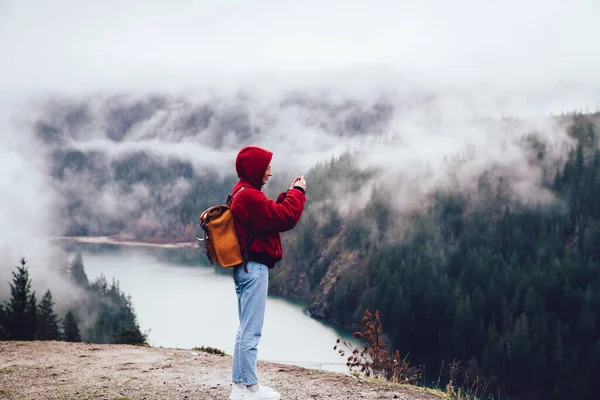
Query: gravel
x,y
61,370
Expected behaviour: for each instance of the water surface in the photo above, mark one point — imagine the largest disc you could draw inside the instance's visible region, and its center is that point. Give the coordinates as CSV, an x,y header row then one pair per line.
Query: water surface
x,y
184,307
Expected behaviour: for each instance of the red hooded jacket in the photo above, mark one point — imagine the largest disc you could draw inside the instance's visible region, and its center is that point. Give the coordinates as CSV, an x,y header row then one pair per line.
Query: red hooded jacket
x,y
258,216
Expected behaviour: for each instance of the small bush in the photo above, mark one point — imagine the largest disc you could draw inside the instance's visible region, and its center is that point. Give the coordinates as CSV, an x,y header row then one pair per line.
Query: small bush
x,y
373,359
210,350
467,391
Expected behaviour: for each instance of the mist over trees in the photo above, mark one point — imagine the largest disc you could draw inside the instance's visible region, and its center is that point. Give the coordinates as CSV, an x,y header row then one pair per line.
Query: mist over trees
x,y
499,274
441,192
71,332
509,289
103,315
142,167
20,312
47,323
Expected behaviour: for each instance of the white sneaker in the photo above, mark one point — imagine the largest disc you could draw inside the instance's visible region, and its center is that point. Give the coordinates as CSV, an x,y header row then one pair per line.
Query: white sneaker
x,y
237,393
263,393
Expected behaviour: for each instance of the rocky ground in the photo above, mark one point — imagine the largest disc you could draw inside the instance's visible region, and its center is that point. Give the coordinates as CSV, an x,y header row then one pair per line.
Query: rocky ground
x,y
60,370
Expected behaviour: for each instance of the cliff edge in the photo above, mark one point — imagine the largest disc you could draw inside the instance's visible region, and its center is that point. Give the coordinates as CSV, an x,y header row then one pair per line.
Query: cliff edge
x,y
61,370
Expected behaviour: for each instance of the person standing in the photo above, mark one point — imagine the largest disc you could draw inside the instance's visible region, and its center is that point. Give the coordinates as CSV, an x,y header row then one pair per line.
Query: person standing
x,y
258,222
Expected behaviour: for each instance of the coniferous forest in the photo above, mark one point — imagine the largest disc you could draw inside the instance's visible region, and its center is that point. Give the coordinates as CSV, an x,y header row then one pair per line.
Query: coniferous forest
x,y
510,291
507,289
451,156
103,315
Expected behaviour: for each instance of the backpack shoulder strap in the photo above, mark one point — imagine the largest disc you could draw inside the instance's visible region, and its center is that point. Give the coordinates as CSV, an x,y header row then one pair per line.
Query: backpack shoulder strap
x,y
230,197
250,237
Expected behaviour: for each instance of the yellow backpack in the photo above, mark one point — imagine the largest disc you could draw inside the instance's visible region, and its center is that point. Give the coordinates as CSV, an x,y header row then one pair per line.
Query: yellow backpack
x,y
221,244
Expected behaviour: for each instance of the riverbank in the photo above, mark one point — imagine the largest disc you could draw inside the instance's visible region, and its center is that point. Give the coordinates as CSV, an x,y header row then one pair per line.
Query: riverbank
x,y
61,370
123,241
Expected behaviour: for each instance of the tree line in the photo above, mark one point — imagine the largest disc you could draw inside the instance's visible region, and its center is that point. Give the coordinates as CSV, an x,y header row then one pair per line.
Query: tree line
x,y
509,290
104,315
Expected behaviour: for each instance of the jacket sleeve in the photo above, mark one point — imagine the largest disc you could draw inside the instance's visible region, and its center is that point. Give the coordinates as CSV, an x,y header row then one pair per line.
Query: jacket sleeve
x,y
268,216
281,197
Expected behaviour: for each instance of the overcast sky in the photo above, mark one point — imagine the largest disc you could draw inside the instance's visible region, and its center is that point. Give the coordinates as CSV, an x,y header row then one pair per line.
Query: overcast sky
x,y
79,45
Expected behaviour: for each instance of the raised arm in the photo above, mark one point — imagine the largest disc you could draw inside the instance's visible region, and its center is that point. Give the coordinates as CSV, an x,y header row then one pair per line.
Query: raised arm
x,y
275,216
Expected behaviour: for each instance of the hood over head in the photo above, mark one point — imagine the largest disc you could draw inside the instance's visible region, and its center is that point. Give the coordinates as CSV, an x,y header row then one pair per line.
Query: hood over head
x,y
251,163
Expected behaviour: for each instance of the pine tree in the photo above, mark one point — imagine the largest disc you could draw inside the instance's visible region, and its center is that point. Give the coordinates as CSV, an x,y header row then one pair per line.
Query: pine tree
x,y
130,336
77,272
3,323
70,328
31,317
47,327
21,308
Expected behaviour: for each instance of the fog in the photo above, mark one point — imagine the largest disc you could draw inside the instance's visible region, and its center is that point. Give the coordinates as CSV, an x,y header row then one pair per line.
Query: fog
x,y
69,45
429,93
418,140
27,202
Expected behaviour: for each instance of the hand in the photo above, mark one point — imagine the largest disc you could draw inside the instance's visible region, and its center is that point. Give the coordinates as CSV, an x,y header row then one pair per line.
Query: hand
x,y
300,182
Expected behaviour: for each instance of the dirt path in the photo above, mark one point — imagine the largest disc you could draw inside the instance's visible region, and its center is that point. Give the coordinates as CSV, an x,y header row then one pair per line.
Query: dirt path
x,y
60,370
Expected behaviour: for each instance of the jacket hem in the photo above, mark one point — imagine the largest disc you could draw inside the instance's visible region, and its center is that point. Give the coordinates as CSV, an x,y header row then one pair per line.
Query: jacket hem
x,y
262,259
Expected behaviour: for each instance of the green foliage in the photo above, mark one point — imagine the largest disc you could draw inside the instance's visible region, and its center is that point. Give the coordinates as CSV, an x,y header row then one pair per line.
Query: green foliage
x,y
109,312
4,335
135,170
333,223
47,326
511,292
342,174
115,318
21,308
210,350
305,239
70,328
131,336
357,234
77,272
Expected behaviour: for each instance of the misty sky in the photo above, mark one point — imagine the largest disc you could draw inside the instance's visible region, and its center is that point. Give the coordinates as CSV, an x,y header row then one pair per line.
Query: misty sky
x,y
69,46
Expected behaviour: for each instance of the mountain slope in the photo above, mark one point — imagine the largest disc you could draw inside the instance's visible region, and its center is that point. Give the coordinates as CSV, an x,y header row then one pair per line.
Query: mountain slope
x,y
507,287
475,233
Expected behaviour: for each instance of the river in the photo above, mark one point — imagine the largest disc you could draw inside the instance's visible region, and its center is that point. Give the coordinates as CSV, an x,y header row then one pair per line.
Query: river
x,y
184,306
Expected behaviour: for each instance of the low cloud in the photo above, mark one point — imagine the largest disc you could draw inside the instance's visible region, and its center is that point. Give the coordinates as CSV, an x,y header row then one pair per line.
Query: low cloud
x,y
27,206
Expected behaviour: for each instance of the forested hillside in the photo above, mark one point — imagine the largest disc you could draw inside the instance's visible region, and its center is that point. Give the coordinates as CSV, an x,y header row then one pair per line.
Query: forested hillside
x,y
511,290
146,168
102,314
501,274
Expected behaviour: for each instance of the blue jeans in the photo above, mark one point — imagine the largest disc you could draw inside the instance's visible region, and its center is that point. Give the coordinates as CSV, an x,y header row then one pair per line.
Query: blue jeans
x,y
251,288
